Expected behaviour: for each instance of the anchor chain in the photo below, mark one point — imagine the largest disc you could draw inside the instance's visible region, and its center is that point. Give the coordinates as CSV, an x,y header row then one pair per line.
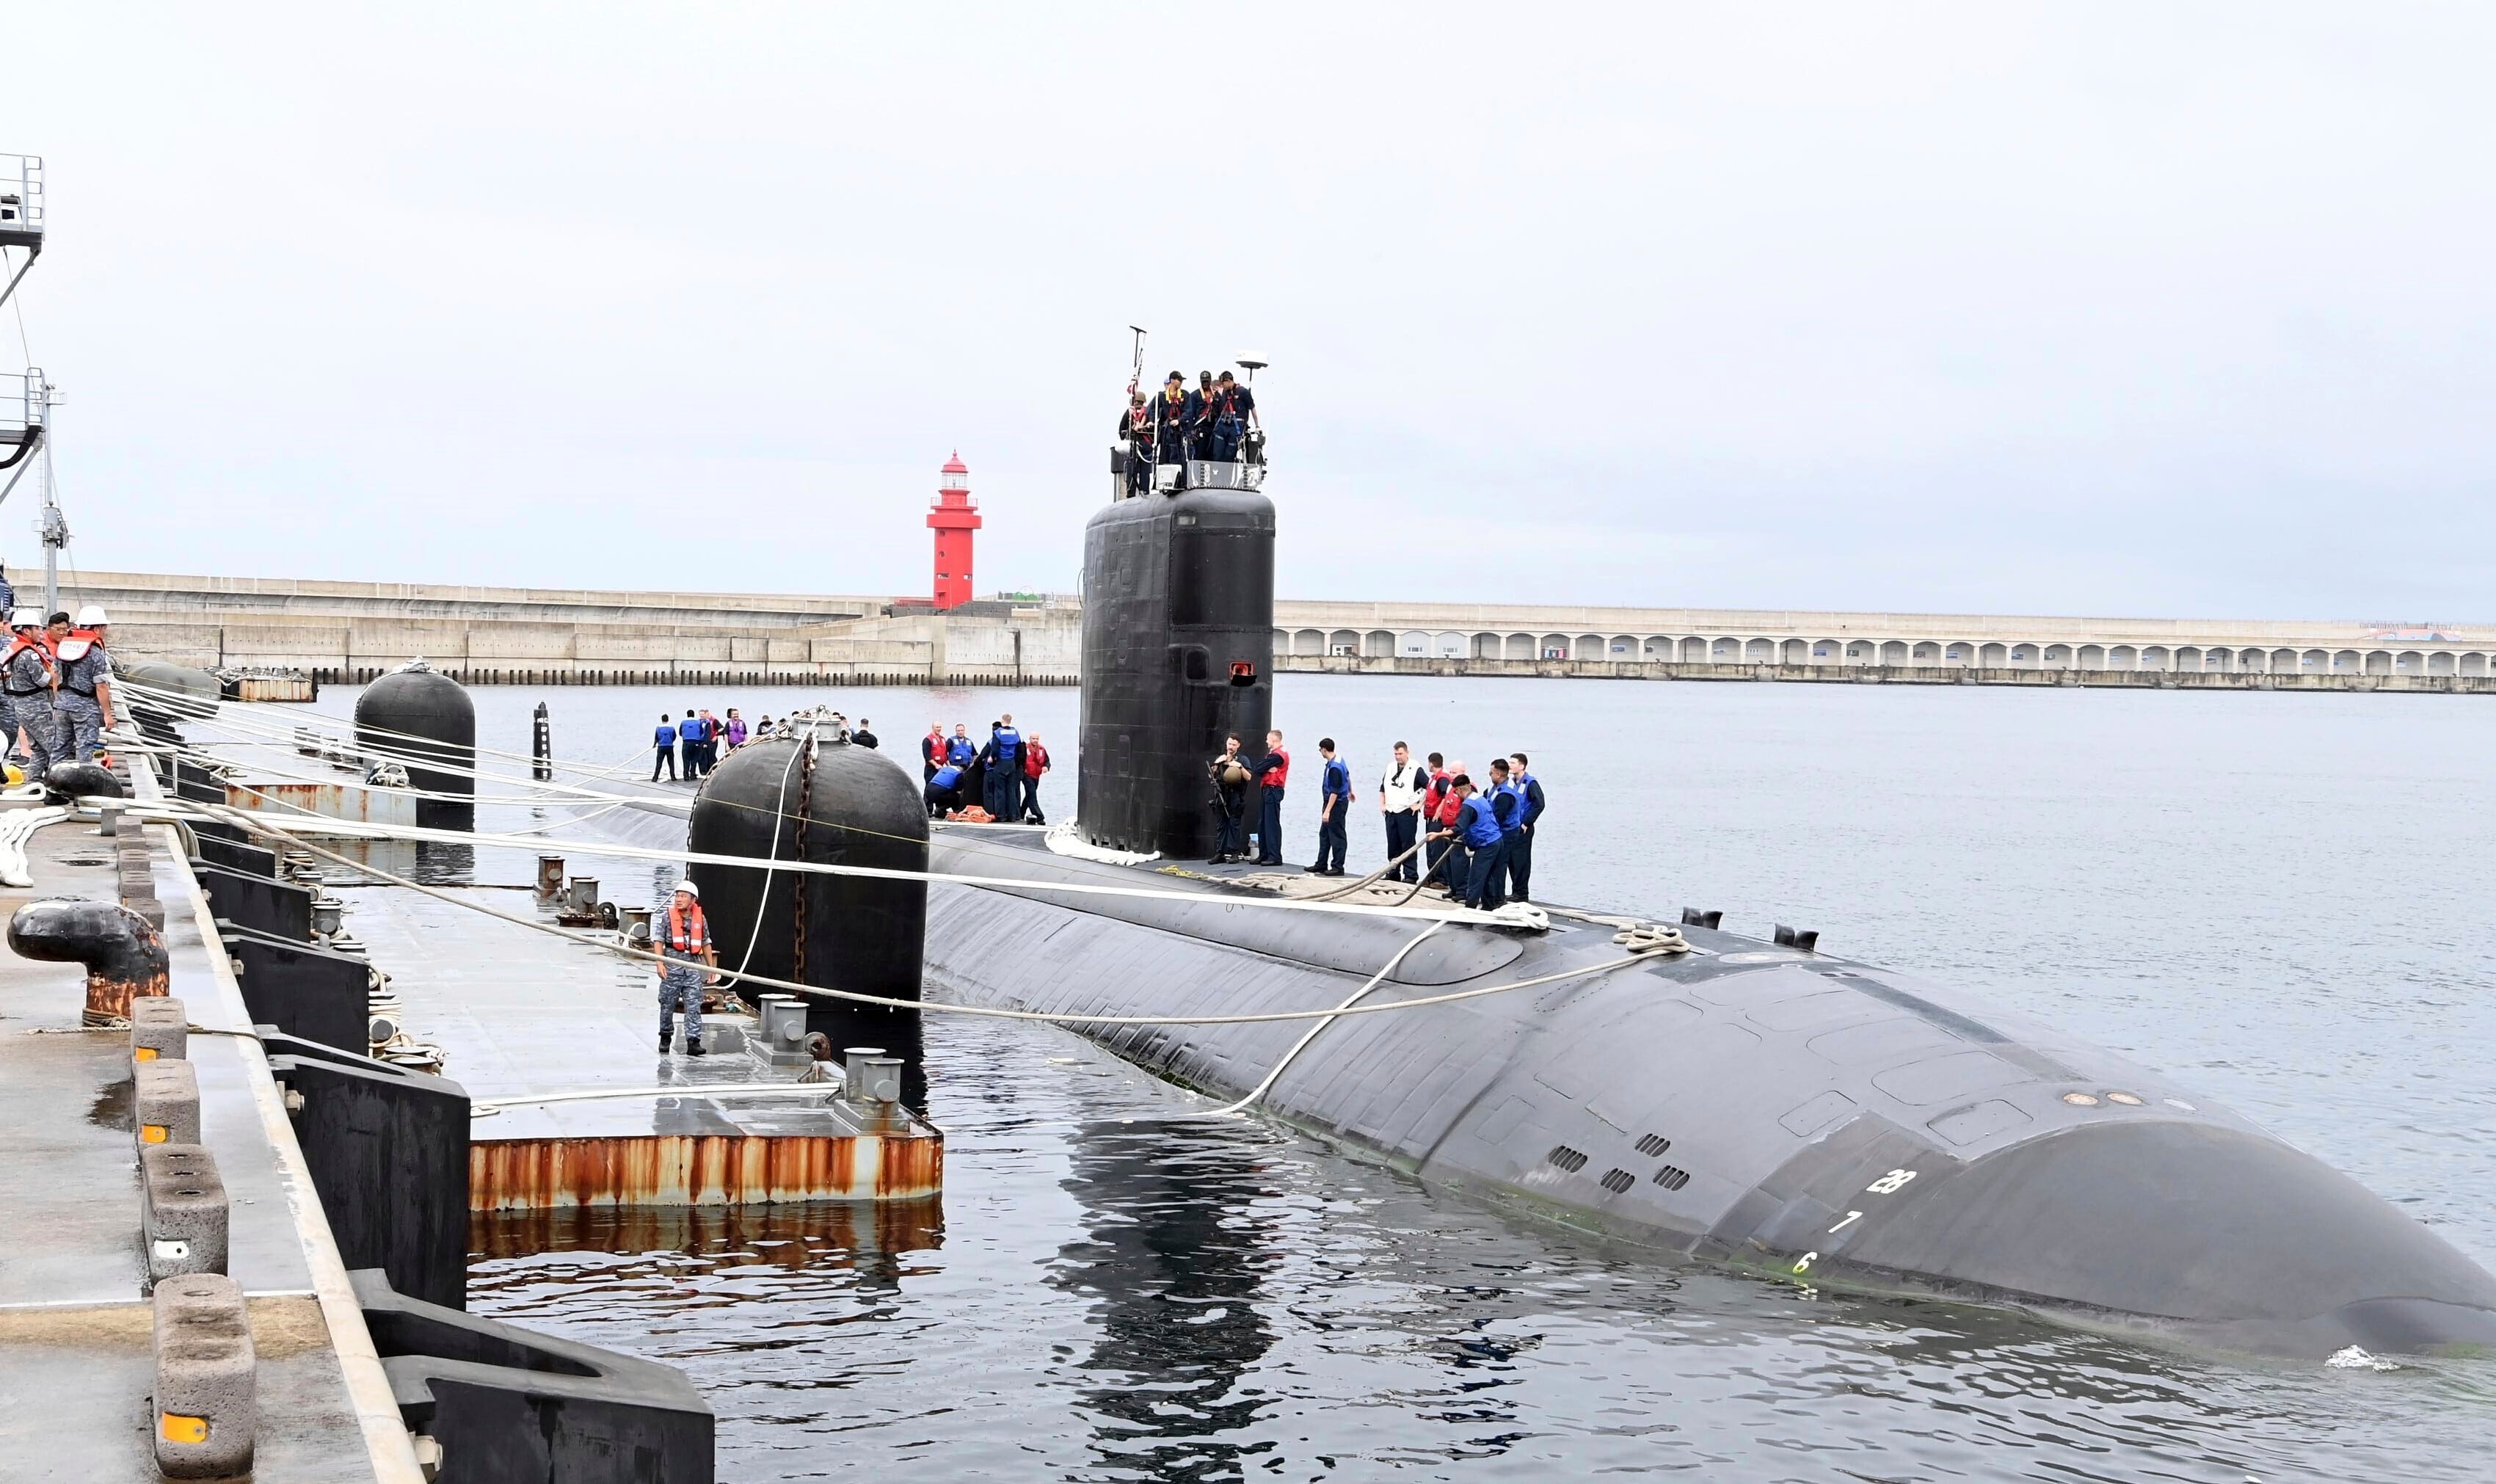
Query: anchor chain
x,y
801,880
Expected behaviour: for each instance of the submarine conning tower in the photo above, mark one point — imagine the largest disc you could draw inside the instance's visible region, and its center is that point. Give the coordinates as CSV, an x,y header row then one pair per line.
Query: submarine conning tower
x,y
1179,650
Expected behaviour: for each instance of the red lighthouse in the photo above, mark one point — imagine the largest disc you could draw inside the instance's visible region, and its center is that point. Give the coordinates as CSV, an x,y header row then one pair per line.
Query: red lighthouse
x,y
954,517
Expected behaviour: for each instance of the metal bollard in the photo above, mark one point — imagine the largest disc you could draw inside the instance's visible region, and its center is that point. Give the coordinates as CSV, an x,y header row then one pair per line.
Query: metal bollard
x,y
872,1076
165,1102
183,1211
206,1405
550,875
123,953
160,1030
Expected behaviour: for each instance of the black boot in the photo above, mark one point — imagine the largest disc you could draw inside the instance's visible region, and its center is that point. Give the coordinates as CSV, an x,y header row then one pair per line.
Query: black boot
x,y
664,1041
694,1046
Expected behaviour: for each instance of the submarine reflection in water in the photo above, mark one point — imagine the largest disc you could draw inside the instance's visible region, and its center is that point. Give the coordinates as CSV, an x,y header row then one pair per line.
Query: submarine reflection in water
x,y
1174,1261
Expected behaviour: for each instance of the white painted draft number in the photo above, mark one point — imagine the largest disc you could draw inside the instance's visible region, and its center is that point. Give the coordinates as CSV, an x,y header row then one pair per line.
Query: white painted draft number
x,y
1891,1182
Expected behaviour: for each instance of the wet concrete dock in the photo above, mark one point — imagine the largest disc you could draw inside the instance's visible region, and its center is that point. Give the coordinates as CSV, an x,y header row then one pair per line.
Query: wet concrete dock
x,y
77,1354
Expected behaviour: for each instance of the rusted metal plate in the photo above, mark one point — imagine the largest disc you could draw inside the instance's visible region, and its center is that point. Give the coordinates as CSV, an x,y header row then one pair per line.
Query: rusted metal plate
x,y
704,1170
333,800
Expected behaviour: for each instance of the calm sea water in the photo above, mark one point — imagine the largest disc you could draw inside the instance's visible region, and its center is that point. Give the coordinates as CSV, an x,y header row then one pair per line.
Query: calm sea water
x,y
2279,898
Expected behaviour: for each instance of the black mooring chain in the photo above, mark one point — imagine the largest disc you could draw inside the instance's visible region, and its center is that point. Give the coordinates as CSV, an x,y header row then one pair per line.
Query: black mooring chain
x,y
805,808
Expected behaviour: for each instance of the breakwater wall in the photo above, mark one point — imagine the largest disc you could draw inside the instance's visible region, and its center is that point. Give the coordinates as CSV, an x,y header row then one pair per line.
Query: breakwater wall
x,y
353,632
1888,675
492,635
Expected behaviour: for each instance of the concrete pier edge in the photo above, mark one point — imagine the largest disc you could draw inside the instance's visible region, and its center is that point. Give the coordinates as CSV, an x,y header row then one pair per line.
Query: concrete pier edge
x,y
389,1443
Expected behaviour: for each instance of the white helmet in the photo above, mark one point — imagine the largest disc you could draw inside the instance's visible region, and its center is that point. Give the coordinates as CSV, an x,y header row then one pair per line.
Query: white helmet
x,y
689,888
92,617
26,618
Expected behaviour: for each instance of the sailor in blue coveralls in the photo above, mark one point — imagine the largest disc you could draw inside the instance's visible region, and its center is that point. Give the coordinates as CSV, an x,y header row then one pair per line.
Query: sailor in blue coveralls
x,y
682,938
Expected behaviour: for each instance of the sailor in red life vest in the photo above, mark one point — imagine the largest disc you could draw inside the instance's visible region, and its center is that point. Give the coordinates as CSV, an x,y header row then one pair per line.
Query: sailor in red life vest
x,y
683,939
83,703
26,692
1035,761
931,750
1448,865
1274,770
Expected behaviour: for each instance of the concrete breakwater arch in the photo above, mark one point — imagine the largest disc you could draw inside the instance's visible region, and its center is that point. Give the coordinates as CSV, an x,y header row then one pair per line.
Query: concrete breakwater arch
x,y
1873,651
1669,643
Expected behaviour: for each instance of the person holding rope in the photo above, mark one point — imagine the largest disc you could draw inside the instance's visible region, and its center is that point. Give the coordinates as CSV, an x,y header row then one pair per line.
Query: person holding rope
x,y
690,961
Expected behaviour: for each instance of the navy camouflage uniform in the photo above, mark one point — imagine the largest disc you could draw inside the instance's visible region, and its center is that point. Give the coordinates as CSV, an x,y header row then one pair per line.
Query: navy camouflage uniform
x,y
80,716
26,692
680,983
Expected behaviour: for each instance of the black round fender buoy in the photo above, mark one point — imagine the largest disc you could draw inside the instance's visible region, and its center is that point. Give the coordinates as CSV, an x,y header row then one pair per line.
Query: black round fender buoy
x,y
867,935
420,715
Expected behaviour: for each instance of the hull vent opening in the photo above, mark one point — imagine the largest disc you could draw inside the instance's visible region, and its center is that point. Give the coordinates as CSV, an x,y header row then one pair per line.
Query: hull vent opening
x,y
1567,1158
1653,1145
1616,1180
1672,1179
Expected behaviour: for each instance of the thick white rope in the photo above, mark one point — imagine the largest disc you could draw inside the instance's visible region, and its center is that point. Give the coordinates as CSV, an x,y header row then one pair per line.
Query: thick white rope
x,y
1514,915
481,1107
244,818
1355,997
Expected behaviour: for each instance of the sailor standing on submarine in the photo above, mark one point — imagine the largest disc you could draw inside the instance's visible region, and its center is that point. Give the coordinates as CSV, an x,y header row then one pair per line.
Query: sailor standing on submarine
x,y
1273,771
83,703
689,962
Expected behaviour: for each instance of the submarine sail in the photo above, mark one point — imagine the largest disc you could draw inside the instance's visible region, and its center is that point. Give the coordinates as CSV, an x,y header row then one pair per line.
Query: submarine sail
x,y
1179,650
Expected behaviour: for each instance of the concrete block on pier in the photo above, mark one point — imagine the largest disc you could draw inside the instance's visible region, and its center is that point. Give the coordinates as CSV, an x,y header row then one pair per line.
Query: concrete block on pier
x,y
165,1104
184,1211
160,1030
206,1400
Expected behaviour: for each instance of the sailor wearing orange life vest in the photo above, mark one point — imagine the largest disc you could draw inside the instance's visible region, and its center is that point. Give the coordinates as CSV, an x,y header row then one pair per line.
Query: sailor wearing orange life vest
x,y
84,701
682,936
26,692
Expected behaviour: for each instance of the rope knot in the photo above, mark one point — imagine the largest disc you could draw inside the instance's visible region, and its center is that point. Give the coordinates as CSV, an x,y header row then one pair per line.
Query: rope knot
x,y
1651,938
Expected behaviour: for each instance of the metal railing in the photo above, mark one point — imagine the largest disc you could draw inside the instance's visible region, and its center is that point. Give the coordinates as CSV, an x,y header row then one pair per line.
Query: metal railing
x,y
21,199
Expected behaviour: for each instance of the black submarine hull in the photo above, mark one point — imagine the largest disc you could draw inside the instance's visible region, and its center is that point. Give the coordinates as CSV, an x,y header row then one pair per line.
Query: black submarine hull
x,y
1794,1113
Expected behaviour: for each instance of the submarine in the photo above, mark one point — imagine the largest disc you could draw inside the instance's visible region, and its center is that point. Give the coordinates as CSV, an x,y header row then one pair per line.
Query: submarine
x,y
1758,1105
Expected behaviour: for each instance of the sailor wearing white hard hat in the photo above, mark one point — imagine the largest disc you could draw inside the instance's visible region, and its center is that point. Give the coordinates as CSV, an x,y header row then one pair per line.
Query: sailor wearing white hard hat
x,y
84,699
687,955
25,693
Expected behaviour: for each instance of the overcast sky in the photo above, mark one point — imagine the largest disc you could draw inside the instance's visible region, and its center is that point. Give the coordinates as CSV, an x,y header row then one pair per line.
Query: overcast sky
x,y
2097,309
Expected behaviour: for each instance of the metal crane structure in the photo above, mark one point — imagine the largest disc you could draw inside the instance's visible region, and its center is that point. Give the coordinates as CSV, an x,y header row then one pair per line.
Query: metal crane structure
x,y
27,420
